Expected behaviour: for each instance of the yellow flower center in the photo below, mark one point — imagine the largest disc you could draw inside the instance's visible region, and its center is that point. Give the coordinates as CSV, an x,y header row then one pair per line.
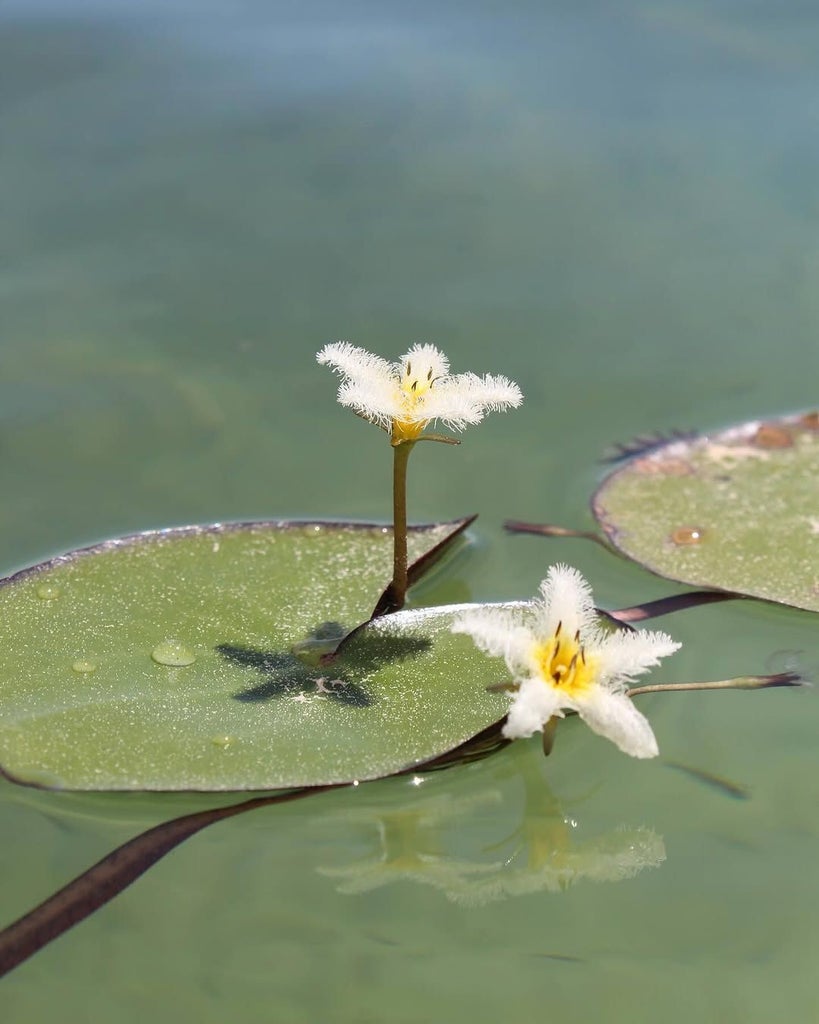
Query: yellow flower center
x,y
564,664
412,392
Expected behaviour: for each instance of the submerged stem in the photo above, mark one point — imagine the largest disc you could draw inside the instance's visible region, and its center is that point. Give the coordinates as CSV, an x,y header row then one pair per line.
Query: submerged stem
x,y
674,603
552,530
108,877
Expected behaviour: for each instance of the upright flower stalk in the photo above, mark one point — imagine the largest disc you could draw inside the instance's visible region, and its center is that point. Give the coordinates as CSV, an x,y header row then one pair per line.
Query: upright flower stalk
x,y
403,398
400,582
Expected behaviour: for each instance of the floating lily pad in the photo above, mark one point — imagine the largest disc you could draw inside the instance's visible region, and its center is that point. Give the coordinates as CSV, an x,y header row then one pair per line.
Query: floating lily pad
x,y
736,510
191,659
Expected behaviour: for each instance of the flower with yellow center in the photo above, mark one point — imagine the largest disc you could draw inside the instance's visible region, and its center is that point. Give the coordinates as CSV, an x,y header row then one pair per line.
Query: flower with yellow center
x,y
561,659
404,397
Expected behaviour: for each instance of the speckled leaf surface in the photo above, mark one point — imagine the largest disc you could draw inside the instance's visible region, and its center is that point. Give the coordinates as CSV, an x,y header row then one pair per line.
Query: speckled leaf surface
x,y
166,661
736,510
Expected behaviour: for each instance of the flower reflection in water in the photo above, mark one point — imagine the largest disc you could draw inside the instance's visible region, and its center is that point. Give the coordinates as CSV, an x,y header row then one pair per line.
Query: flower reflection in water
x,y
416,840
546,853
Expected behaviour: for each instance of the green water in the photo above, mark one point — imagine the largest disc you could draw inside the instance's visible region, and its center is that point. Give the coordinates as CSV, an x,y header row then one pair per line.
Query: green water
x,y
616,206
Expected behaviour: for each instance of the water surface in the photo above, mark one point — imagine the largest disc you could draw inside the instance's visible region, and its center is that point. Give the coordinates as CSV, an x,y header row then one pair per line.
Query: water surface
x,y
615,207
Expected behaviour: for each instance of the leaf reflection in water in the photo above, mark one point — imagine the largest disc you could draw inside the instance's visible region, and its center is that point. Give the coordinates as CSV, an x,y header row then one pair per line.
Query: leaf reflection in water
x,y
408,846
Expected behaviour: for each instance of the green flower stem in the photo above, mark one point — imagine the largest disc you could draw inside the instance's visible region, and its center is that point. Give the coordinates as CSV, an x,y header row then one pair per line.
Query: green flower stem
x,y
740,683
394,597
401,454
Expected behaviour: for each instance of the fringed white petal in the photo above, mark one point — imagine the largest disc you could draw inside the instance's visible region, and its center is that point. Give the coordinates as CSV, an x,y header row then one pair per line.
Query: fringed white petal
x,y
451,405
614,716
533,705
368,384
423,359
491,393
500,634
377,400
625,654
465,399
357,364
566,599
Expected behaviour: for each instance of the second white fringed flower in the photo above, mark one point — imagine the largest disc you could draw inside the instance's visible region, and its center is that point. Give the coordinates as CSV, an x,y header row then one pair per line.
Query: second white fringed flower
x,y
405,396
562,659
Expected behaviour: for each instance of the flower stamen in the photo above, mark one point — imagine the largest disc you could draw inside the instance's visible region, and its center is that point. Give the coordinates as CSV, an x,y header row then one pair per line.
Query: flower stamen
x,y
562,663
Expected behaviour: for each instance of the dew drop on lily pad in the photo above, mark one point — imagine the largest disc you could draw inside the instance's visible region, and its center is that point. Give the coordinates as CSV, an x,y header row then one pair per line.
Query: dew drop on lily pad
x,y
83,666
173,653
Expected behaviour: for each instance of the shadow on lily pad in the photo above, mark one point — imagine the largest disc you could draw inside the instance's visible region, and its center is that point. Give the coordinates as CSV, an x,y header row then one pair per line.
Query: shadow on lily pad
x,y
340,680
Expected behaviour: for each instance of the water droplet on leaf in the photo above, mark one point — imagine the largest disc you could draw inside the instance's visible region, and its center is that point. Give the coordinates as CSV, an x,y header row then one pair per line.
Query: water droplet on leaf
x,y
82,665
48,592
174,653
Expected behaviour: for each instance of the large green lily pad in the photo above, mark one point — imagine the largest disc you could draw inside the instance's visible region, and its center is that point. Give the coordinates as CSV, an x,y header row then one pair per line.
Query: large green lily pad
x,y
191,659
736,510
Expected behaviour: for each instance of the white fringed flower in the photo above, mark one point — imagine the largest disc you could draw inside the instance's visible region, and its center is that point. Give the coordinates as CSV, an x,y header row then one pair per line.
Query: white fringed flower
x,y
403,397
562,660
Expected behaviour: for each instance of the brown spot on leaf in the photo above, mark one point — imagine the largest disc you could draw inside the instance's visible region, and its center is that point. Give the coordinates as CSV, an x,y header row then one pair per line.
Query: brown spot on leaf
x,y
685,535
663,467
773,435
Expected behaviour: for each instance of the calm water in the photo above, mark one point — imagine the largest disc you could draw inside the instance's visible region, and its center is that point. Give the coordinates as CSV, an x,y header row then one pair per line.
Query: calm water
x,y
617,207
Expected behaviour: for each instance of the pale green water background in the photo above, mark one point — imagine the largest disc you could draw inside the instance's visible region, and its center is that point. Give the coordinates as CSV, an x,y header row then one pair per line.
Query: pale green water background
x,y
616,205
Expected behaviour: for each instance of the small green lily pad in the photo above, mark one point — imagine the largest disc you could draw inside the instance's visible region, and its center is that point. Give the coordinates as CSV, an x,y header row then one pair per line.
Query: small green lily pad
x,y
194,659
737,510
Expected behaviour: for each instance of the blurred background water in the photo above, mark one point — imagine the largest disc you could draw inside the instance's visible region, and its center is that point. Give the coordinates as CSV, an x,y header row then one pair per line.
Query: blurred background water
x,y
616,206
